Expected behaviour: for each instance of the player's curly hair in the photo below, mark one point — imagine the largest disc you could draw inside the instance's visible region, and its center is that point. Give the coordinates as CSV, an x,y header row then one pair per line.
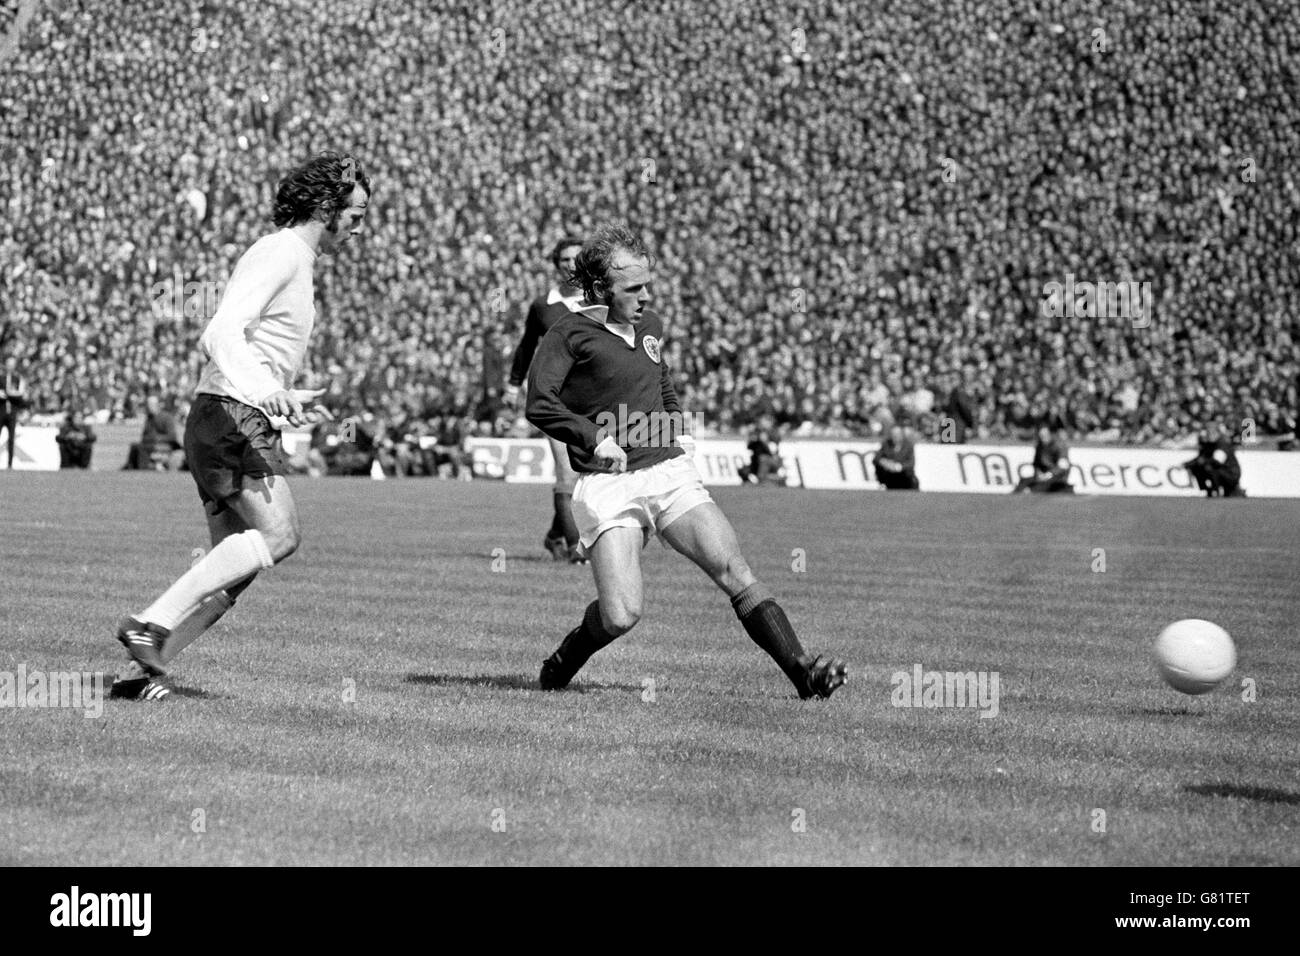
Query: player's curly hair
x,y
323,184
598,253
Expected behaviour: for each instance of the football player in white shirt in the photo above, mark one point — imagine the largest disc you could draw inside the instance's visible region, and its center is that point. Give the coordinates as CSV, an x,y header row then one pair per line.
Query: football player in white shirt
x,y
255,344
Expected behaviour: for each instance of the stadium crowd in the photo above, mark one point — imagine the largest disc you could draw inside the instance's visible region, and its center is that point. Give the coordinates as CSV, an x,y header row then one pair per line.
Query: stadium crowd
x,y
855,209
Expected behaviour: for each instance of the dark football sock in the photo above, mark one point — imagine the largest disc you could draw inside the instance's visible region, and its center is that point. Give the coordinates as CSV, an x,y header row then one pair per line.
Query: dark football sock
x,y
767,625
585,639
239,587
564,523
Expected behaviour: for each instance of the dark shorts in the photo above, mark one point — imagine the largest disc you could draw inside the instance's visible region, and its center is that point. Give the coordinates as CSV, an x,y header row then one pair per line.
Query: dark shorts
x,y
227,441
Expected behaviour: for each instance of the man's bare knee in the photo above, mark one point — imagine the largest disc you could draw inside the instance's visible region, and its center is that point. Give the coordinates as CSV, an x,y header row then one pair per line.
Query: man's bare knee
x,y
620,617
290,541
732,575
282,541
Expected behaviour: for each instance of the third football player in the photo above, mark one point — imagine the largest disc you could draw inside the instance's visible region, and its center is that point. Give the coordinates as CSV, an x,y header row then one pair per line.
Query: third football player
x,y
562,538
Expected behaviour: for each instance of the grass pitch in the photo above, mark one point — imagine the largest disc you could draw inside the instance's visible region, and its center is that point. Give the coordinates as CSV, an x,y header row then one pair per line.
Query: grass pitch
x,y
374,701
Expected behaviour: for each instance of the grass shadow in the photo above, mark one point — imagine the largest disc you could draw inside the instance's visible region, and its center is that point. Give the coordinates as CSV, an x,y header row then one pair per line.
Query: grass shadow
x,y
528,558
508,682
1164,712
1261,794
196,693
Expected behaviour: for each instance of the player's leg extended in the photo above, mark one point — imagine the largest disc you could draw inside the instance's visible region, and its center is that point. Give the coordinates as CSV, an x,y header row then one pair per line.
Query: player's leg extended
x,y
705,536
220,526
562,538
616,566
266,507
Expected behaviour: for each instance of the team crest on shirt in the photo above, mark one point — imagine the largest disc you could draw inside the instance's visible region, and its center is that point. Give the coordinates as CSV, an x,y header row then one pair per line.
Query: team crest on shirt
x,y
651,348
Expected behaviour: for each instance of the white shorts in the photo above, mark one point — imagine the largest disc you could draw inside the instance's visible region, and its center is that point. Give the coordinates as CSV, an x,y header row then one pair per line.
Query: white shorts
x,y
650,499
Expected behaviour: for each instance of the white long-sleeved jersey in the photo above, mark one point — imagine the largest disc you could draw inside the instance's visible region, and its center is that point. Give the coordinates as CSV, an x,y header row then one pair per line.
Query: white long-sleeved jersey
x,y
257,340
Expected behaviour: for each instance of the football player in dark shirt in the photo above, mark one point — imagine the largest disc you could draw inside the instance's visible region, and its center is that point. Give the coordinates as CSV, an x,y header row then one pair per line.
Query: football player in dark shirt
x,y
599,385
562,538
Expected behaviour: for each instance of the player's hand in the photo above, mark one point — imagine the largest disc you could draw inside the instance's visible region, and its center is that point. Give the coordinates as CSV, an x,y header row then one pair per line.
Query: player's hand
x,y
687,444
611,455
307,396
511,397
313,413
317,414
283,404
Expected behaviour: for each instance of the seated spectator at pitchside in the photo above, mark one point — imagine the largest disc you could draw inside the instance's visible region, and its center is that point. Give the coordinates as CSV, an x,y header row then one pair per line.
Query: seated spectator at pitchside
x,y
1215,467
1051,473
452,457
895,462
160,447
346,447
765,466
76,440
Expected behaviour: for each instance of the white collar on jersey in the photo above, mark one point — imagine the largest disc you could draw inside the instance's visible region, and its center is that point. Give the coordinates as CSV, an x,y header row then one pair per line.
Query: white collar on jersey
x,y
600,313
572,301
305,244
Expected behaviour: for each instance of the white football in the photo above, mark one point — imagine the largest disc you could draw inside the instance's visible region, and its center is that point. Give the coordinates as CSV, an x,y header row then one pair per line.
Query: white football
x,y
1194,656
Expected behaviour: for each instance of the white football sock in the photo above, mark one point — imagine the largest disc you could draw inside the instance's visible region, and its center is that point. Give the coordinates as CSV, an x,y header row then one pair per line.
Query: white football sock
x,y
234,559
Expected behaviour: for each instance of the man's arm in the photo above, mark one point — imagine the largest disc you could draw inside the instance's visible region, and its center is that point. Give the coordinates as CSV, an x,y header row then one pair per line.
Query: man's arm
x,y
544,409
527,345
682,426
256,281
666,389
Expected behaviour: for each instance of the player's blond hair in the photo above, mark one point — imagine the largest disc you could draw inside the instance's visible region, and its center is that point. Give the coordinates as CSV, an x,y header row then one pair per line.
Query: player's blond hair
x,y
597,256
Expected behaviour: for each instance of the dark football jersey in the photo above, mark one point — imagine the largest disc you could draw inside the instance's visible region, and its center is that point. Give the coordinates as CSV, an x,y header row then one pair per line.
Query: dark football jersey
x,y
588,382
542,314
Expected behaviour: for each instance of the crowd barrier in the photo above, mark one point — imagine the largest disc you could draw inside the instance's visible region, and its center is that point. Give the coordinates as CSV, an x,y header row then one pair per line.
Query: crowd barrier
x,y
848,465
987,469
